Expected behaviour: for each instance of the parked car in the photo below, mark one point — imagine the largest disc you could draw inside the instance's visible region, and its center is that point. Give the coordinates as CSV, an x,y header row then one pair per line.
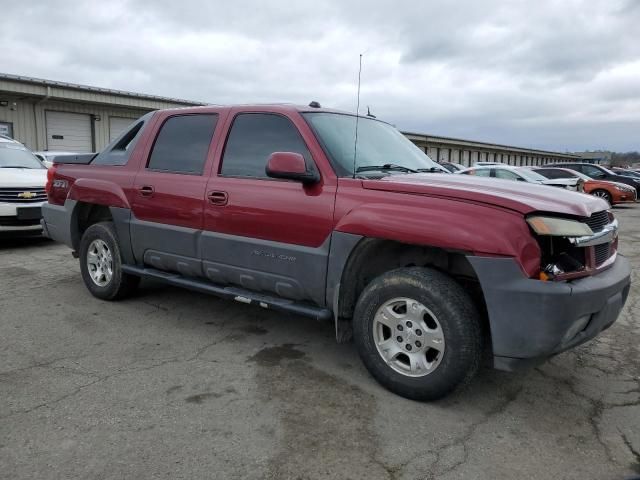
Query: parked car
x,y
266,205
483,164
598,172
22,192
47,157
522,174
453,167
612,192
626,172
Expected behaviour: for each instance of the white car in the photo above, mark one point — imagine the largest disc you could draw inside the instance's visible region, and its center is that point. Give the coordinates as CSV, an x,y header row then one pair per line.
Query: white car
x,y
22,182
483,164
523,174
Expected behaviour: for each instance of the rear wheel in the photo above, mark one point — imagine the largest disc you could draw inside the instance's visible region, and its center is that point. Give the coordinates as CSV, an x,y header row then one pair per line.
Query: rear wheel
x,y
101,263
602,194
418,333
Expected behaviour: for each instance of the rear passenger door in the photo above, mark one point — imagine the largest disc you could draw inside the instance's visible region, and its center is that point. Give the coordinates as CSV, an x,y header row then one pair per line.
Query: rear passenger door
x,y
169,193
268,234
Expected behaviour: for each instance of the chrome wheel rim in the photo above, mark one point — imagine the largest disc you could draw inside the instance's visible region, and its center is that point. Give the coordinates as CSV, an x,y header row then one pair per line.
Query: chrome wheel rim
x,y
408,337
602,194
99,263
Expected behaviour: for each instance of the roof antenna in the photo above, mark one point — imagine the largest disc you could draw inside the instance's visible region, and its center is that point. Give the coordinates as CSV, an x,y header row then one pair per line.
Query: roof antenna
x,y
355,143
369,114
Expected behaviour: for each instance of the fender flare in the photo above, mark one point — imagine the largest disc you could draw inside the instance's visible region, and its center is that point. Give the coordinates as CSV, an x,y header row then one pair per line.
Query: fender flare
x,y
98,192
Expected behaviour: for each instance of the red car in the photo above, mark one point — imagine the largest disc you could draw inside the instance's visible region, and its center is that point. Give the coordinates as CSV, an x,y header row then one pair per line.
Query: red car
x,y
278,207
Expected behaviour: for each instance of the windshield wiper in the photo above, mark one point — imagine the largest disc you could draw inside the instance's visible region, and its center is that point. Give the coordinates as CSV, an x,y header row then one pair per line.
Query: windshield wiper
x,y
386,166
432,170
16,166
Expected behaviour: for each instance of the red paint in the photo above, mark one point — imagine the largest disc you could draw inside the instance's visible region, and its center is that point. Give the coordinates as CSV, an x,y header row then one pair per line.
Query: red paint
x,y
287,162
462,213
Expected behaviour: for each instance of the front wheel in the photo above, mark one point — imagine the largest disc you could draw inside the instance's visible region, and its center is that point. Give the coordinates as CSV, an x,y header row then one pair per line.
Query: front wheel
x,y
101,263
418,333
602,194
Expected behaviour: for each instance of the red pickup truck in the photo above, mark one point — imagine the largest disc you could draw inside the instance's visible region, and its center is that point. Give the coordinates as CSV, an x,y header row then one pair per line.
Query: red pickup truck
x,y
279,206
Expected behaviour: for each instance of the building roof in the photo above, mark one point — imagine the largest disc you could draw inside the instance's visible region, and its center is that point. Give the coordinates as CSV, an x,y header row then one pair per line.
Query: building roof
x,y
471,144
75,92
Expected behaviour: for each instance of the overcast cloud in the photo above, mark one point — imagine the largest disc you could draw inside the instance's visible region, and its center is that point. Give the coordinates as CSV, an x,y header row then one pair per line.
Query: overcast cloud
x,y
561,75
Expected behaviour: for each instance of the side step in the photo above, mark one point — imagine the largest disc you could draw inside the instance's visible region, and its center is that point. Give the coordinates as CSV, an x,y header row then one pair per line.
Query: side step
x,y
233,293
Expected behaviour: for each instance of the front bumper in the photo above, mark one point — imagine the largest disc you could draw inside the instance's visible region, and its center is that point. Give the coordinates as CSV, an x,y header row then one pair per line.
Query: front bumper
x,y
531,320
9,221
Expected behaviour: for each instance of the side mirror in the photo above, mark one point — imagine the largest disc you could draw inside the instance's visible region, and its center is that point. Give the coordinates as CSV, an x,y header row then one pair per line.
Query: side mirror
x,y
290,166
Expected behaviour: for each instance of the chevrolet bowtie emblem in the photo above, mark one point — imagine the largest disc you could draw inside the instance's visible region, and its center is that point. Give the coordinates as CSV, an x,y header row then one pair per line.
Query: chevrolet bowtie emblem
x,y
26,195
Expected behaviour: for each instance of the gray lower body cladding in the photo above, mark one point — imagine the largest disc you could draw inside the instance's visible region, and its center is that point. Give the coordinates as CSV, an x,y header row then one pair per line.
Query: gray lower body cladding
x,y
290,271
531,320
57,222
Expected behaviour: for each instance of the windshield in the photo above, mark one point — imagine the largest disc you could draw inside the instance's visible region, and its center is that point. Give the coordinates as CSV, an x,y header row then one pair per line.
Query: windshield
x,y
531,175
12,157
379,144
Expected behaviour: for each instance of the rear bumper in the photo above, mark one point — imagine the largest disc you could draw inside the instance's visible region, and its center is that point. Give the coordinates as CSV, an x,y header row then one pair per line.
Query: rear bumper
x,y
56,222
531,320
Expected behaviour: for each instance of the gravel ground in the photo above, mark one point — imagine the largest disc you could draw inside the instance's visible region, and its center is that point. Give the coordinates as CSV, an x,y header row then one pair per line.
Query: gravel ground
x,y
175,384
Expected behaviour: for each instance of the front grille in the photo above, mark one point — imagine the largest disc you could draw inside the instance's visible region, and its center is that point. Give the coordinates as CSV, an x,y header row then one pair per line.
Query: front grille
x,y
14,222
23,195
602,253
597,221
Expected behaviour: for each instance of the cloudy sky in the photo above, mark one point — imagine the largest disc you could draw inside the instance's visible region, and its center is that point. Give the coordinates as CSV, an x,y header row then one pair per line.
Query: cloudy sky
x,y
562,75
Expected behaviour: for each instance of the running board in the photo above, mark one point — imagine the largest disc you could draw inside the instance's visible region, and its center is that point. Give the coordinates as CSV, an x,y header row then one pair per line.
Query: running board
x,y
232,293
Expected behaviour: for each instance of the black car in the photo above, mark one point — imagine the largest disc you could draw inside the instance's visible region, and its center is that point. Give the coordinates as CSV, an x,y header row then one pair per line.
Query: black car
x,y
598,172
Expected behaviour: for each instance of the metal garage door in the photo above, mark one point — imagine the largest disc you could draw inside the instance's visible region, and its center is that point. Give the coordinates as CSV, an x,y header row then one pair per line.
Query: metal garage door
x,y
70,132
117,126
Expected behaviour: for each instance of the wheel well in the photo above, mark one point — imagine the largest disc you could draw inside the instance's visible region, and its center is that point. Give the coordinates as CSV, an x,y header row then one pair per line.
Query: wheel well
x,y
373,257
85,215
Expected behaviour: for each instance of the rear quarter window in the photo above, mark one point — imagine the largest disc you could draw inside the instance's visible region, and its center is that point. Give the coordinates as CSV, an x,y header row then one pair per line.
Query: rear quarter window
x,y
118,152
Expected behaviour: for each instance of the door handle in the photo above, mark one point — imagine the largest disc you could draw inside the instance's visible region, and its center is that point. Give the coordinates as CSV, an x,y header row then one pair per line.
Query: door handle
x,y
146,190
218,198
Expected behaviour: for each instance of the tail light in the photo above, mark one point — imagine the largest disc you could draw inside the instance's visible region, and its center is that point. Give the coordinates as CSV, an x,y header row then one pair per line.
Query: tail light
x,y
51,172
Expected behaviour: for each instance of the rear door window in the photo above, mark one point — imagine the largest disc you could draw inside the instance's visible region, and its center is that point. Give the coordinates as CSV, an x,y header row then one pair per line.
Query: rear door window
x,y
253,138
593,172
553,173
182,144
505,174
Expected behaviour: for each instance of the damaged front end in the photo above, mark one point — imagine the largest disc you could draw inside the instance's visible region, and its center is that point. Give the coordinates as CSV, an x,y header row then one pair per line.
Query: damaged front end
x,y
573,248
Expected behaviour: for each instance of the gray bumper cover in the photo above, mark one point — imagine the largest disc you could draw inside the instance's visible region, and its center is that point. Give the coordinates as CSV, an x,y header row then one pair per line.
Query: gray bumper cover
x,y
531,320
56,222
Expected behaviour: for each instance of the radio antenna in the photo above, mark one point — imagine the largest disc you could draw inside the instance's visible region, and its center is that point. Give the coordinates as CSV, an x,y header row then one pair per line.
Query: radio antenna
x,y
355,143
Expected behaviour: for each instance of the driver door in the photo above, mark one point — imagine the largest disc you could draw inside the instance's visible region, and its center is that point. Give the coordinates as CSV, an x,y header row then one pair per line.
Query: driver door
x,y
261,233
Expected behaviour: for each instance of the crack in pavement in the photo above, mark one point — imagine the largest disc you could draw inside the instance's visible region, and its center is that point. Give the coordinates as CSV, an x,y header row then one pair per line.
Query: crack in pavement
x,y
468,435
635,453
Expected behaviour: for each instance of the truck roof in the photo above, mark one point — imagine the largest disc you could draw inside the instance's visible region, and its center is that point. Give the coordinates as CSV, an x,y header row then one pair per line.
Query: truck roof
x,y
258,107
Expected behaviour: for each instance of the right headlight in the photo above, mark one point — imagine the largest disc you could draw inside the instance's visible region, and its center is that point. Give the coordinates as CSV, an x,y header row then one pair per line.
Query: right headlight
x,y
558,227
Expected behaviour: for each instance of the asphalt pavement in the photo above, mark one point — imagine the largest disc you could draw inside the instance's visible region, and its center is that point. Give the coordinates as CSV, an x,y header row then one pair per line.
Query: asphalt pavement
x,y
176,384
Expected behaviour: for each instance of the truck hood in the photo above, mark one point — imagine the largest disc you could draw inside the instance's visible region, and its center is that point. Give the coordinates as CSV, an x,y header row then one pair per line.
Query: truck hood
x,y
22,177
521,197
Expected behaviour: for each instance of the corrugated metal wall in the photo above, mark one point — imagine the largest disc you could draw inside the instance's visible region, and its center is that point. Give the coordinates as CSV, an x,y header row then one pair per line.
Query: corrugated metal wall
x,y
29,124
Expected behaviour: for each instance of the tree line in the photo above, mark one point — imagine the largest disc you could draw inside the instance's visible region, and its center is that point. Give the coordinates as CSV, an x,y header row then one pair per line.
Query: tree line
x,y
623,159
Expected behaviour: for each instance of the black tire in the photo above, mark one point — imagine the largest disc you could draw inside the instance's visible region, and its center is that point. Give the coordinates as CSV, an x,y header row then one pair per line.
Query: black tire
x,y
121,284
458,319
602,194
